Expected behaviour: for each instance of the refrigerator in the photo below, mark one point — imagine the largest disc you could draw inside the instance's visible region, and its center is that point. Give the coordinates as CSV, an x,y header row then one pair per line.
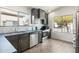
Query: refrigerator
x,y
77,33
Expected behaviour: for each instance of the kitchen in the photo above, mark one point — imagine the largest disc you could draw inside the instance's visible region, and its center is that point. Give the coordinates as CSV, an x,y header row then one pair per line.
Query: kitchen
x,y
21,28
39,29
35,29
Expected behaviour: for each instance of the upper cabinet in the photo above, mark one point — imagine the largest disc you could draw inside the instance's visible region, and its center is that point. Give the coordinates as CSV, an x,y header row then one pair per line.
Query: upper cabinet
x,y
46,17
39,14
42,14
35,13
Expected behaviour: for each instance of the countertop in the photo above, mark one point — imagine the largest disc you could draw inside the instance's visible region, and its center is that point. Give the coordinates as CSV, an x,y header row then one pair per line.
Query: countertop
x,y
9,48
20,32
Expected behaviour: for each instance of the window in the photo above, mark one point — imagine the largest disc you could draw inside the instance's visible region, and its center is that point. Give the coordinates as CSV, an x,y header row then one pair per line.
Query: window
x,y
63,24
24,19
11,21
8,18
14,18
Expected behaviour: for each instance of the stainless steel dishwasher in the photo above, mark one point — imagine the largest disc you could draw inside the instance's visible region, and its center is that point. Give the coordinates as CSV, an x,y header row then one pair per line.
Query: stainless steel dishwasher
x,y
33,39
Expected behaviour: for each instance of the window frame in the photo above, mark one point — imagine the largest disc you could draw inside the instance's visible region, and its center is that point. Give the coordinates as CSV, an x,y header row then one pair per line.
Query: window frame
x,y
63,16
17,15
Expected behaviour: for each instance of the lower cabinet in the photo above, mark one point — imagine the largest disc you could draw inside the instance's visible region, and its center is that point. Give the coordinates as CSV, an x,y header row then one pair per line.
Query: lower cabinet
x,y
14,41
24,42
40,37
21,42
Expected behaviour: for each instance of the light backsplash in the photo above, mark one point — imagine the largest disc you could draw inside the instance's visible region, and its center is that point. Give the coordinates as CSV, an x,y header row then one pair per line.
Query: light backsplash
x,y
19,28
12,29
7,29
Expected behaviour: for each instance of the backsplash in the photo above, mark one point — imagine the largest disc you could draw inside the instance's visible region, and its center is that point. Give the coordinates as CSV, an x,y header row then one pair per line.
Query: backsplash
x,y
12,29
7,29
20,28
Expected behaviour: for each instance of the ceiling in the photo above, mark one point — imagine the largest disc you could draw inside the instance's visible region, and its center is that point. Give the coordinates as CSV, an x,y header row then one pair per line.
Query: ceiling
x,y
48,9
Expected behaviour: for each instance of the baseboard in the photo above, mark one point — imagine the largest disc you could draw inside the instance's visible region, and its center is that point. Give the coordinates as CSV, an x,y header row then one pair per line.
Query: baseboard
x,y
62,40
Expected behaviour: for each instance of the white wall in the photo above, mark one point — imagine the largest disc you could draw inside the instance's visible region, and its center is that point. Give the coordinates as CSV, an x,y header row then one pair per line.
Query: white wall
x,y
67,10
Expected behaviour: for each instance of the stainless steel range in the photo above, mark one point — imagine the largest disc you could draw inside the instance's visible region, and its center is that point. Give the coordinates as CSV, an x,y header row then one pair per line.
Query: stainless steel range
x,y
45,32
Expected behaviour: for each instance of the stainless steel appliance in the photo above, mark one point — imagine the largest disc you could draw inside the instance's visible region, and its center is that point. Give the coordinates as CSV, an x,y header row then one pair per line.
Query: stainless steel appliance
x,y
77,32
33,39
45,32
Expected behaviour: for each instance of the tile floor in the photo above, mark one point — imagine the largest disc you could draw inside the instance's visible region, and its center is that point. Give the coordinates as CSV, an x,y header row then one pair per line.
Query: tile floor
x,y
52,46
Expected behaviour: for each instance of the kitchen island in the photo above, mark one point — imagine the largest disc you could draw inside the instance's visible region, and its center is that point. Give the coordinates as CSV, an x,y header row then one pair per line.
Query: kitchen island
x,y
23,40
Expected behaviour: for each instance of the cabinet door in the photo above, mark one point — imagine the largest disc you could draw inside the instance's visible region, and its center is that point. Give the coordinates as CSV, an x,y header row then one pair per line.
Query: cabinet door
x,y
35,13
24,42
40,37
42,14
46,16
13,40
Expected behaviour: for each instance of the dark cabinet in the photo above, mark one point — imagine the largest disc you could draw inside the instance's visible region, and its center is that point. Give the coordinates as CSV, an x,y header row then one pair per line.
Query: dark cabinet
x,y
42,14
21,42
24,42
40,37
43,17
14,41
46,17
35,13
39,14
